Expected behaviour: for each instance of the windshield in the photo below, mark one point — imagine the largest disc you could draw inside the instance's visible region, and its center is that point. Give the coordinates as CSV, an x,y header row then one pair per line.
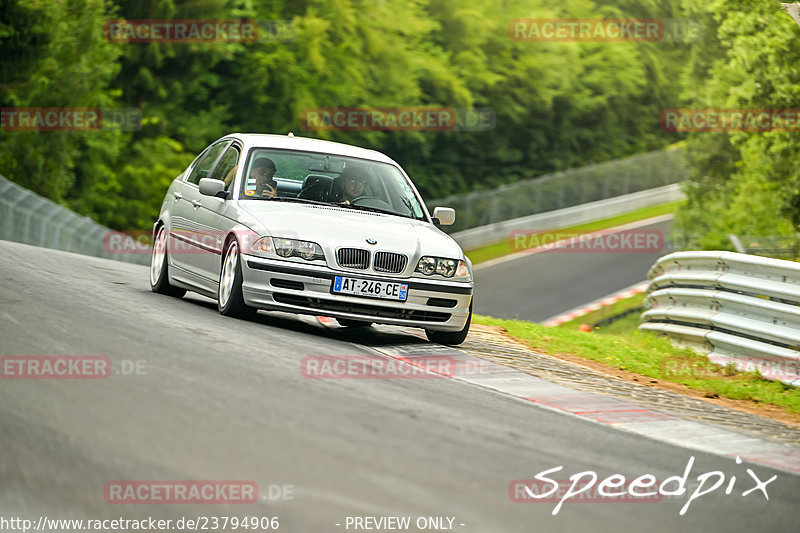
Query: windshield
x,y
313,177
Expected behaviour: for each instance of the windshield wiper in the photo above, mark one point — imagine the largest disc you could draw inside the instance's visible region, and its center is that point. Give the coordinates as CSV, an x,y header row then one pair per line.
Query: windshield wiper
x,y
298,200
373,209
407,203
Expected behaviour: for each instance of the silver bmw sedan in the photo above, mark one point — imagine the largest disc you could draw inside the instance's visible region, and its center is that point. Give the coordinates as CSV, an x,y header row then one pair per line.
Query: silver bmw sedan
x,y
309,226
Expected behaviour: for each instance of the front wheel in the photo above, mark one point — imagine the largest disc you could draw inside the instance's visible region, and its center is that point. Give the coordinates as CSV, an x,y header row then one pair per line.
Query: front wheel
x,y
450,337
230,301
159,267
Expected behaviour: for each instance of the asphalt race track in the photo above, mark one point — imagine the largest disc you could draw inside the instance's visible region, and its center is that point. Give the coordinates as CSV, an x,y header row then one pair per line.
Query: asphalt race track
x,y
539,286
224,399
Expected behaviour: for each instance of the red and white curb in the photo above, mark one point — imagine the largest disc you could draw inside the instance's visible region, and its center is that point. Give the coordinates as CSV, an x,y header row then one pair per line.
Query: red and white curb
x,y
593,407
606,410
597,304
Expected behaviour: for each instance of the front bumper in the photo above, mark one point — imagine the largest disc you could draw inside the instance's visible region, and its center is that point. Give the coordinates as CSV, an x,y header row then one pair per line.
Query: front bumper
x,y
297,288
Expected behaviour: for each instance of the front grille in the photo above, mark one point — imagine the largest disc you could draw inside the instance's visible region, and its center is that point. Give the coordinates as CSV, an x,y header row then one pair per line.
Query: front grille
x,y
389,262
361,309
353,258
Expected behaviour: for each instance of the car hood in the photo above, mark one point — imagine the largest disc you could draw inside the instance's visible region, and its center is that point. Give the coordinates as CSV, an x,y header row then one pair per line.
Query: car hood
x,y
334,227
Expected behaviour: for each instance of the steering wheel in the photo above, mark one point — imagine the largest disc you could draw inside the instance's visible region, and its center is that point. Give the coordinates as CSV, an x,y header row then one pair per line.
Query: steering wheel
x,y
382,204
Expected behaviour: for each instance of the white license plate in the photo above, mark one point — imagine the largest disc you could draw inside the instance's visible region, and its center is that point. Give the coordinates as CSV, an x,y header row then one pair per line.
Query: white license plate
x,y
385,290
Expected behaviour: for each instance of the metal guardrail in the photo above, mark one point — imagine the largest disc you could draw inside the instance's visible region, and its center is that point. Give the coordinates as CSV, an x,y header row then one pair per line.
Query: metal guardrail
x,y
560,190
743,310
570,216
29,218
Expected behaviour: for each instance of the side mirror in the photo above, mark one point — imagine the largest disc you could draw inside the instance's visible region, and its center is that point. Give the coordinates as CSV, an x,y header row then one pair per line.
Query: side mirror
x,y
211,187
444,216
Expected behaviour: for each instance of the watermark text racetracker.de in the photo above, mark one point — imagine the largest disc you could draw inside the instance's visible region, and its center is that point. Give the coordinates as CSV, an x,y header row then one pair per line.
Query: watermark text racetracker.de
x,y
774,369
181,31
590,30
67,367
398,119
730,119
586,487
198,31
385,367
179,492
570,241
70,118
553,30
179,242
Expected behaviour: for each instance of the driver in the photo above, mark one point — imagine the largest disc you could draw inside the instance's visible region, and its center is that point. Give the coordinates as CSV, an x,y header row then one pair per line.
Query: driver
x,y
351,184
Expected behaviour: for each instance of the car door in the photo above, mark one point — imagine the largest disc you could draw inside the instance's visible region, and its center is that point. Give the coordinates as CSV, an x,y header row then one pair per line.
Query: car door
x,y
187,246
212,224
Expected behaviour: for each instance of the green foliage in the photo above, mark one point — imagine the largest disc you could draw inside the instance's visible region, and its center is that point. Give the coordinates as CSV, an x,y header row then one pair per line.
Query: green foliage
x,y
557,105
53,56
742,183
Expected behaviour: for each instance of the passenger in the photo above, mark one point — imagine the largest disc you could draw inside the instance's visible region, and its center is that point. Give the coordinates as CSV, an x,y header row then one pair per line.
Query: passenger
x,y
261,182
228,180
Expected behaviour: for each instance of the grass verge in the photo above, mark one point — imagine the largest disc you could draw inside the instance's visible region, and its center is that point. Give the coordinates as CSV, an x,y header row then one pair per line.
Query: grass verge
x,y
649,355
499,249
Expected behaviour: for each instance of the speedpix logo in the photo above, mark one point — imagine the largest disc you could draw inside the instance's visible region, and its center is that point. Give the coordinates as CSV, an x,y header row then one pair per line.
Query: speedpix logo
x,y
587,487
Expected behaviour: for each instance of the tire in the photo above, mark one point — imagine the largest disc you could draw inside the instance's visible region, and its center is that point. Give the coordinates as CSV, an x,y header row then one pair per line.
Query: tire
x,y
451,337
159,267
230,301
350,323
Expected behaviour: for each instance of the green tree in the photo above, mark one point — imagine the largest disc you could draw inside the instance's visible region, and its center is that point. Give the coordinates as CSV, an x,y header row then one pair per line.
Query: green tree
x,y
53,56
745,183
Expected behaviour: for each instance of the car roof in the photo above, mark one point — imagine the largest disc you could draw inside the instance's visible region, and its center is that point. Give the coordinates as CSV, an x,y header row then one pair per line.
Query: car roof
x,y
290,142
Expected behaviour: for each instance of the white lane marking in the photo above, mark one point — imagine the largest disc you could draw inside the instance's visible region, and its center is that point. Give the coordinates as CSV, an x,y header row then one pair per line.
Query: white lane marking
x,y
525,253
11,318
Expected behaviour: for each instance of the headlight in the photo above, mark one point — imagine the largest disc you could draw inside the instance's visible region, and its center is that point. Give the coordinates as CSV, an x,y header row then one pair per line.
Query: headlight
x,y
283,247
427,265
307,250
294,248
446,267
442,266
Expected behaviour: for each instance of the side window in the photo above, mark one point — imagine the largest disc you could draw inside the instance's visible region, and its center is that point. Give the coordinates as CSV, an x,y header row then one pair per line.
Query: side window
x,y
226,168
202,168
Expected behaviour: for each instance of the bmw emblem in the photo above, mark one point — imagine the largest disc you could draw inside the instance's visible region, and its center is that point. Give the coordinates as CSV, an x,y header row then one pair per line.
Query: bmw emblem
x,y
371,241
